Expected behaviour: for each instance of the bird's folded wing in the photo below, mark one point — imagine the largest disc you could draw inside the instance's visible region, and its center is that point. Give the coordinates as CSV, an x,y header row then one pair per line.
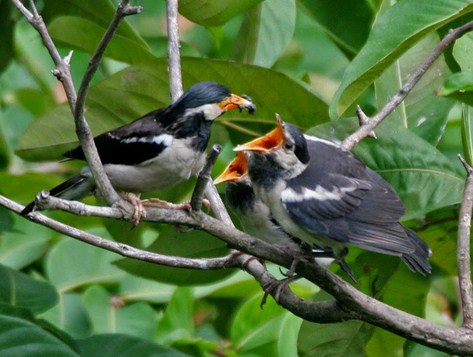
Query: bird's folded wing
x,y
130,144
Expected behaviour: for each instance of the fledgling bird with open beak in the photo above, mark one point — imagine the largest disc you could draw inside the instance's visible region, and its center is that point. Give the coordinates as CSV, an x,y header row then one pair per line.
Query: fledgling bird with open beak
x,y
256,218
325,195
160,149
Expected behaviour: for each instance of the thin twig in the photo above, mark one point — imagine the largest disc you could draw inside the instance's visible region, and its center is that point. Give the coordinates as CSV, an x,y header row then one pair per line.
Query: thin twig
x,y
82,127
365,130
463,248
174,50
204,178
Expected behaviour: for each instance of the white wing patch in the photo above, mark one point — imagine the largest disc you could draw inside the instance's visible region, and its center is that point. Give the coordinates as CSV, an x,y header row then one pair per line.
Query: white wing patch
x,y
319,193
163,139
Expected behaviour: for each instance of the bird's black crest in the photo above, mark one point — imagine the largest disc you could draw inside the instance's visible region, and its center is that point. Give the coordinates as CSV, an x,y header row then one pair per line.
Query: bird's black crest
x,y
203,93
301,150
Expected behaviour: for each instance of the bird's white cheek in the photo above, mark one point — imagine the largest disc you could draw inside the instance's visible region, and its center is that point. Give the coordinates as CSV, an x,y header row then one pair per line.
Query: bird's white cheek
x,y
210,111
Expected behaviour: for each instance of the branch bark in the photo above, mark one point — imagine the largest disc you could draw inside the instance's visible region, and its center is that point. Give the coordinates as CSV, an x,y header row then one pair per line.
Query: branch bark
x,y
174,50
463,249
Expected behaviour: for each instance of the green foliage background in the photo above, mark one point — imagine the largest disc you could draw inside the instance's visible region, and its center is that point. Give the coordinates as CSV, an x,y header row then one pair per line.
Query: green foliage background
x,y
312,61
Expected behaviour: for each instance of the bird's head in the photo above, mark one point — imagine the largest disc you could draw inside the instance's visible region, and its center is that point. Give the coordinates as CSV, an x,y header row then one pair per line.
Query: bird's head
x,y
212,100
285,146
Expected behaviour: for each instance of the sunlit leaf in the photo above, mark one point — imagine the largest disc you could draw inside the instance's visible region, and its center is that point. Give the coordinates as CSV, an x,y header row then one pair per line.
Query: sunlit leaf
x,y
265,32
386,43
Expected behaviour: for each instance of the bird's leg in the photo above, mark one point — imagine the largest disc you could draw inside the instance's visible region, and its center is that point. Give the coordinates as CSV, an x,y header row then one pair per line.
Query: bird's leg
x,y
139,212
158,203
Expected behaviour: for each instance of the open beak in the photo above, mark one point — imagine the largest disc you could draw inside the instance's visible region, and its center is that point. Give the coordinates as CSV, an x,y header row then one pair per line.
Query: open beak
x,y
269,142
236,169
234,101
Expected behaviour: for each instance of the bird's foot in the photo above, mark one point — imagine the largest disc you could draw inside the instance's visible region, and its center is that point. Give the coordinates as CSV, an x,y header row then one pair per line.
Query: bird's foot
x,y
275,288
158,203
139,210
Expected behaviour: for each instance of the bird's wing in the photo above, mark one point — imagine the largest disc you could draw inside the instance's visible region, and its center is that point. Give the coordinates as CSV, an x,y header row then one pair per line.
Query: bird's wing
x,y
364,212
131,144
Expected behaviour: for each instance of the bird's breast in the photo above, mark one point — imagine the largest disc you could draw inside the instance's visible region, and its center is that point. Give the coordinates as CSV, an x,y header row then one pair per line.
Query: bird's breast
x,y
173,165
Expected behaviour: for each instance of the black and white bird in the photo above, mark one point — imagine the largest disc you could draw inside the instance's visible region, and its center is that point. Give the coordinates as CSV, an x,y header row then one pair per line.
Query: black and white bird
x,y
325,195
256,218
160,149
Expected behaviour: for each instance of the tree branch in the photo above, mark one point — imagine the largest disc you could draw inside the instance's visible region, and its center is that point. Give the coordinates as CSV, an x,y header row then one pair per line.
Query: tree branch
x,y
204,178
463,249
82,127
371,123
174,50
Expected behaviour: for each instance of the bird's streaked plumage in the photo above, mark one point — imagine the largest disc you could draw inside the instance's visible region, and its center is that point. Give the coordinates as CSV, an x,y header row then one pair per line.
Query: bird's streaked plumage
x,y
159,149
325,195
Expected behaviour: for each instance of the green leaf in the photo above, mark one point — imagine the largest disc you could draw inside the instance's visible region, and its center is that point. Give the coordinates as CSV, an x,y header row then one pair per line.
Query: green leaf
x,y
340,339
386,43
23,245
265,32
177,322
463,51
459,86
423,112
117,345
19,337
18,289
467,133
6,29
133,288
84,34
349,25
99,12
137,319
195,244
139,89
69,316
422,176
72,263
260,329
213,12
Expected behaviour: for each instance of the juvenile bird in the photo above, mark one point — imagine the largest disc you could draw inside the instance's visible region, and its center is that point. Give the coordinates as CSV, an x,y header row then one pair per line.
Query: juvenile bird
x,y
160,149
325,195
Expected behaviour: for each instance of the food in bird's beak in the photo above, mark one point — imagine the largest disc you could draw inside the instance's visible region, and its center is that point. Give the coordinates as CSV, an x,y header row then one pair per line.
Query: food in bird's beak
x,y
241,102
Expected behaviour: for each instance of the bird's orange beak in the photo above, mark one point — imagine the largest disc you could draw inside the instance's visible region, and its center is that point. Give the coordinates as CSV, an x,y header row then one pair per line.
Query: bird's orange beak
x,y
269,142
234,101
236,169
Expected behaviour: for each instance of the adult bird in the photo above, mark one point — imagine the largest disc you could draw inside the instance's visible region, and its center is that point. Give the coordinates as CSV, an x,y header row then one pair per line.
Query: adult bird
x,y
159,149
325,195
256,218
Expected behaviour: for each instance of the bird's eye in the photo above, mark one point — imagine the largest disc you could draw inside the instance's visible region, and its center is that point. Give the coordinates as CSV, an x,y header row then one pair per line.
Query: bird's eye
x,y
288,146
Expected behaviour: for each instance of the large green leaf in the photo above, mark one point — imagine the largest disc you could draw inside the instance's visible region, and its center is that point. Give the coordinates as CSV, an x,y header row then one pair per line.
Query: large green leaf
x,y
137,319
170,242
349,25
422,176
386,43
99,12
142,88
84,34
177,322
265,32
423,112
20,337
71,264
117,345
18,289
213,12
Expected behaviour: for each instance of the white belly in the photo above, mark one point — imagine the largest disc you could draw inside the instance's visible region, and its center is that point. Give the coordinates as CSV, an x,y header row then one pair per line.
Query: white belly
x,y
175,164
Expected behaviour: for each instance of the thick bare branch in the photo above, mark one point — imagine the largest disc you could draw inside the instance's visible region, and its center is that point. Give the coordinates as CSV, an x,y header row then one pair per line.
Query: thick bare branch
x,y
174,50
351,141
463,249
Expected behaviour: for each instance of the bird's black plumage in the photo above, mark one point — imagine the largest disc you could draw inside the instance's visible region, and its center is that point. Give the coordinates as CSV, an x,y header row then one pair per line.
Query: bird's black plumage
x,y
332,199
160,148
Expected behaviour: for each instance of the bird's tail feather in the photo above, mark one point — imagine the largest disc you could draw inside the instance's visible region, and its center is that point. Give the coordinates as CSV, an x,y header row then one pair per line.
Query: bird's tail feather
x,y
418,261
74,188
